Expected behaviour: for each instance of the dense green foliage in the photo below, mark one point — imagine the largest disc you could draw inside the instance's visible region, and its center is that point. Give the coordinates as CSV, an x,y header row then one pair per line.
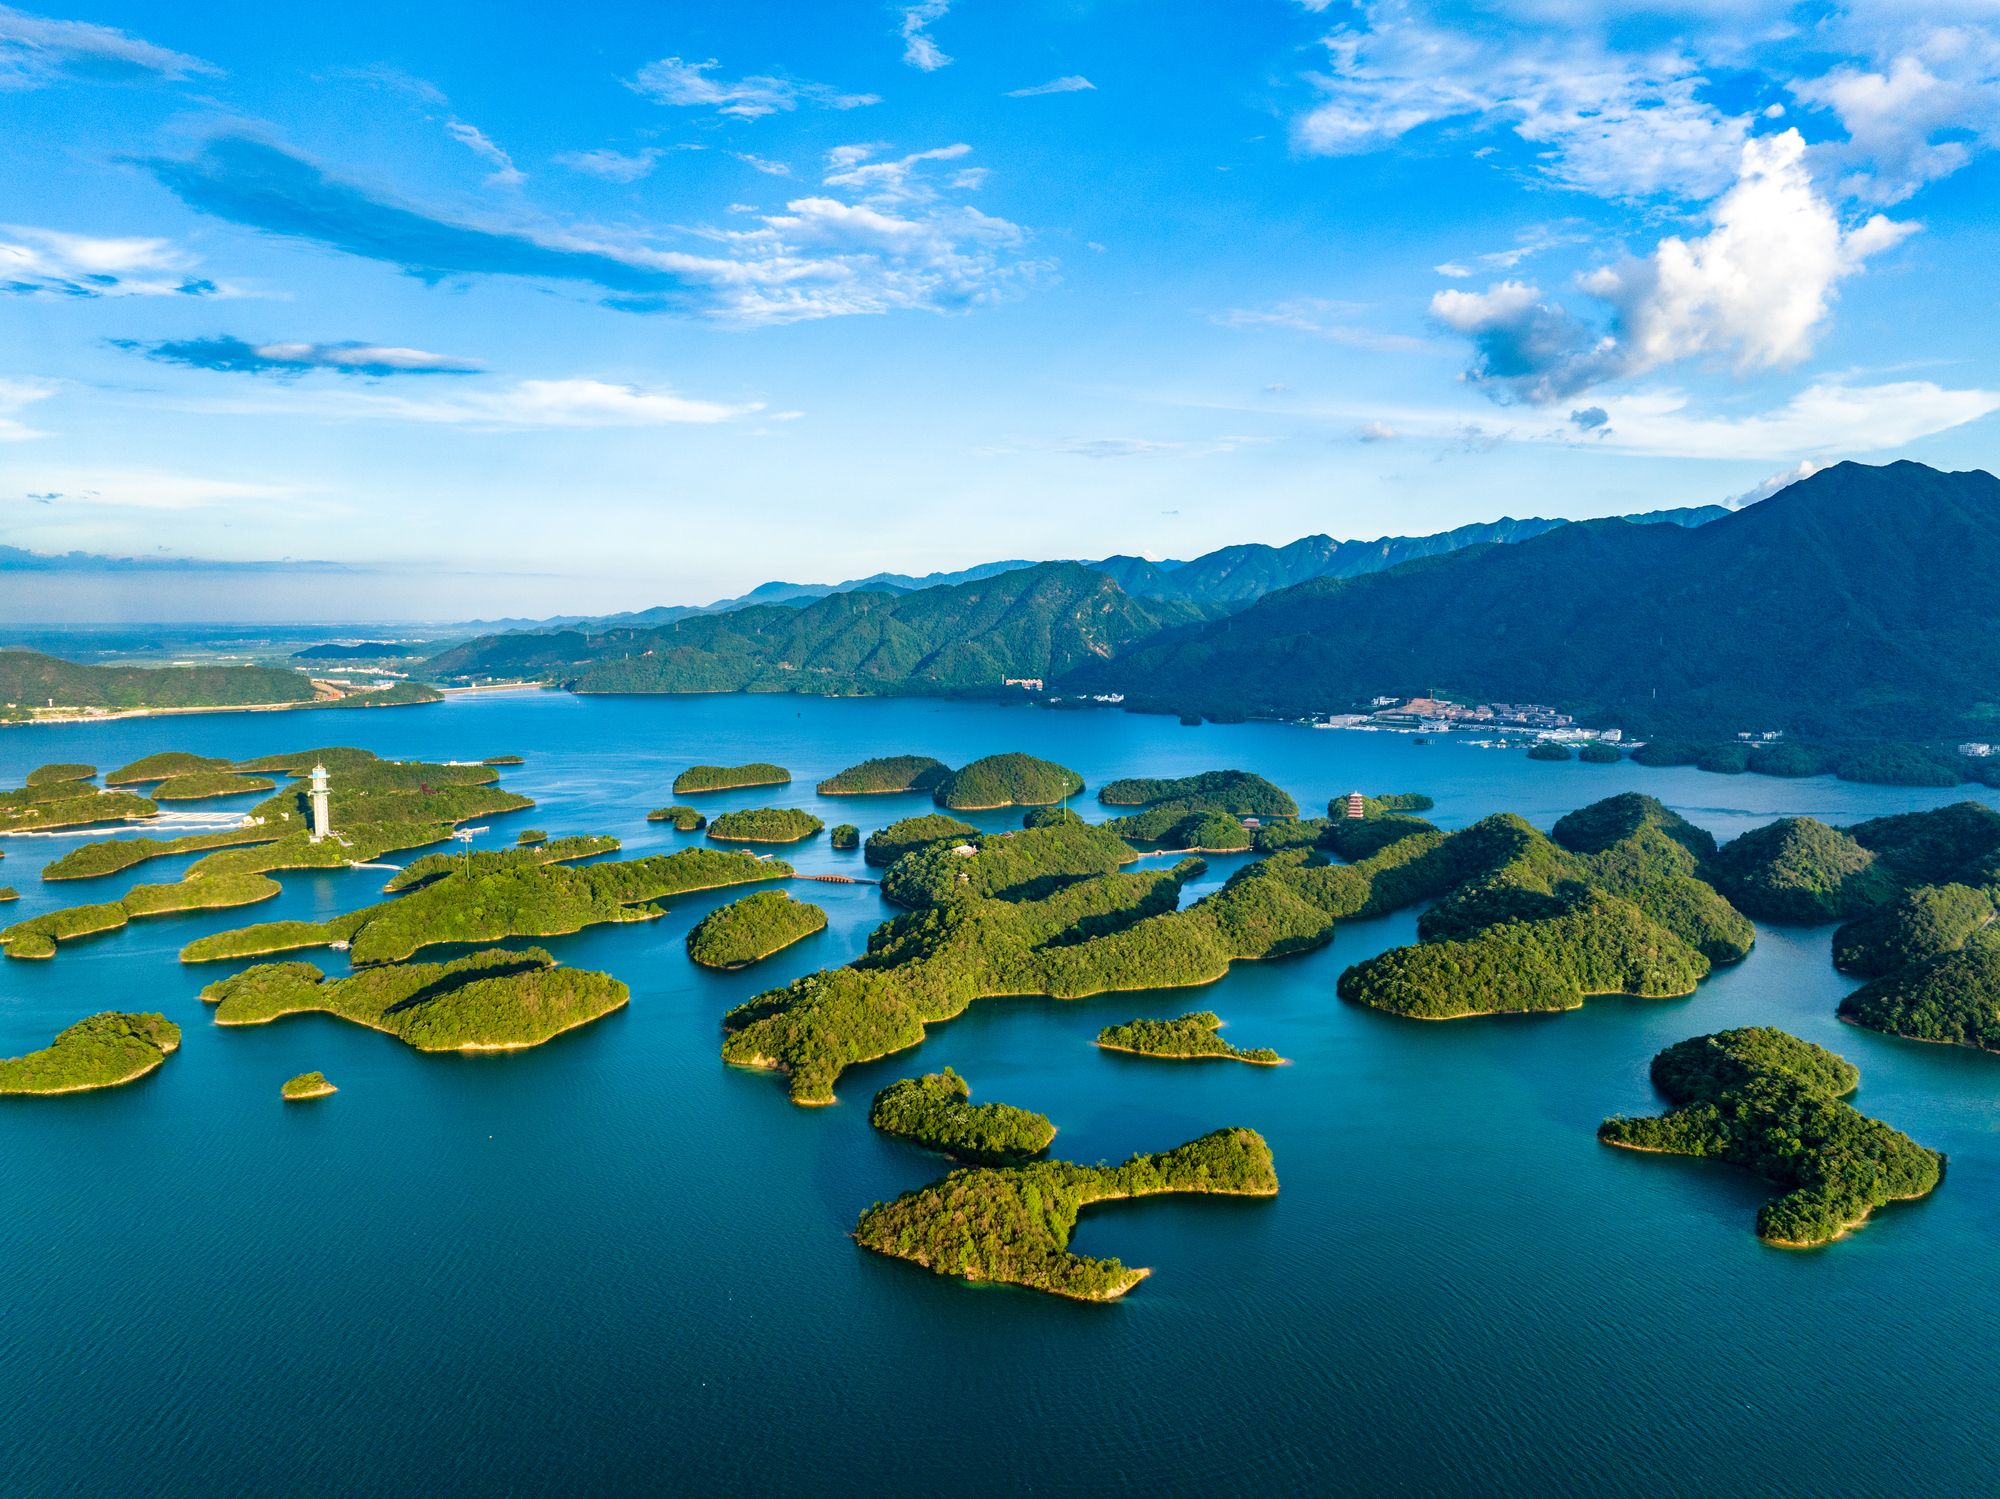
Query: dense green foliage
x,y
1012,1224
1030,622
1952,998
161,767
1917,925
936,1111
1788,760
1902,765
8,892
764,825
1011,866
32,679
50,775
1194,1035
199,785
1886,580
39,936
1548,749
68,804
1960,842
1238,792
1660,753
307,1085
1799,869
100,1052
1767,1101
1599,753
530,837
886,773
685,819
1012,780
750,929
886,845
491,896
844,836
1176,827
729,777
560,851
489,1001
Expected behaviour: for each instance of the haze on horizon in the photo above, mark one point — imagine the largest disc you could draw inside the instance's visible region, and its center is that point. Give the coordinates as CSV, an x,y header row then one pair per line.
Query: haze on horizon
x,y
511,311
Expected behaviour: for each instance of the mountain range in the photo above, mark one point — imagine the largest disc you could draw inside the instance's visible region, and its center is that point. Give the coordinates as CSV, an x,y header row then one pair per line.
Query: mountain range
x,y
1861,602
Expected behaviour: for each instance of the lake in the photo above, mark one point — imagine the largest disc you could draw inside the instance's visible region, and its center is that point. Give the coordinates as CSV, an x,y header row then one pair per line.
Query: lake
x,y
612,1264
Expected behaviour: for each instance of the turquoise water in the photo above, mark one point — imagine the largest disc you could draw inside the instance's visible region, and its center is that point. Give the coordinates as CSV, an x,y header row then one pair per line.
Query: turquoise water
x,y
612,1264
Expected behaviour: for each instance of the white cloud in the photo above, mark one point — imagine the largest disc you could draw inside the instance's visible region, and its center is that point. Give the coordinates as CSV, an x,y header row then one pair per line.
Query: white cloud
x,y
692,85
761,164
150,489
1825,418
1074,83
16,396
475,140
526,404
1784,478
82,265
896,180
1895,114
1375,432
920,50
1756,289
612,166
1120,447
36,50
1330,320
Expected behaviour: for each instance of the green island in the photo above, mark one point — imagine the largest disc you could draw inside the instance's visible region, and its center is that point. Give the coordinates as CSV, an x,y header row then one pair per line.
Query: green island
x,y
8,892
1013,780
1548,749
530,837
729,777
886,774
503,760
489,1001
764,825
378,806
100,1052
749,930
843,836
886,845
685,819
55,775
428,867
1597,752
163,766
1192,1037
1195,830
307,1085
1237,792
936,1111
66,803
1798,869
495,895
1050,911
1763,1099
29,677
200,785
1610,903
1012,1224
1922,923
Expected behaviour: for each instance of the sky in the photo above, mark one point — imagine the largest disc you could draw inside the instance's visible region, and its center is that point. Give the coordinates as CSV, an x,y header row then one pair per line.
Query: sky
x,y
511,309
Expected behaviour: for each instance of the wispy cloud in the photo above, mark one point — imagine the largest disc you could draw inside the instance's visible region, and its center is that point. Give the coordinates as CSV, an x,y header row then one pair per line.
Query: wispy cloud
x,y
820,257
36,51
1074,83
612,166
523,405
475,140
697,85
896,180
920,49
1327,319
16,396
150,489
238,356
48,261
762,164
1120,447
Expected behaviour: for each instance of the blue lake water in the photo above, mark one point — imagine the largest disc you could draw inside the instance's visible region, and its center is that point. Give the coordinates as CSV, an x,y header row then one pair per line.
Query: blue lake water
x,y
611,1264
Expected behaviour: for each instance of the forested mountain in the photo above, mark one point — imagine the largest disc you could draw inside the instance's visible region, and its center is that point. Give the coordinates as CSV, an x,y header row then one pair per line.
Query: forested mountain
x,y
1036,622
1859,602
30,679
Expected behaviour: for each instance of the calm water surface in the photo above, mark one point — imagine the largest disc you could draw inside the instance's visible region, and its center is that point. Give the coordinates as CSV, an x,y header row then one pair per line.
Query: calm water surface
x,y
612,1264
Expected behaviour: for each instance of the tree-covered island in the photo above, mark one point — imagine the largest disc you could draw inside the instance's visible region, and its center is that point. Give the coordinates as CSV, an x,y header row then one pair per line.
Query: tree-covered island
x,y
99,1052
886,845
885,775
749,930
307,1085
685,819
1765,1100
698,778
1012,1224
764,825
1012,780
1192,1037
937,1111
489,1001
843,836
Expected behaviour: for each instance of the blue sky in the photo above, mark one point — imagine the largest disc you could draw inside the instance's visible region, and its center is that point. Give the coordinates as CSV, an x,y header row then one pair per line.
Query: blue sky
x,y
525,309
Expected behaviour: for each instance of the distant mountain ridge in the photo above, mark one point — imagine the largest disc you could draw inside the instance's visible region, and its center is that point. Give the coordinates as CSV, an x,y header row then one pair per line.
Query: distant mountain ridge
x,y
1860,602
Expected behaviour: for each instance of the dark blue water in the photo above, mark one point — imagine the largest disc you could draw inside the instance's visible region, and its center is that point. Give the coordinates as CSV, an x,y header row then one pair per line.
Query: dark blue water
x,y
611,1264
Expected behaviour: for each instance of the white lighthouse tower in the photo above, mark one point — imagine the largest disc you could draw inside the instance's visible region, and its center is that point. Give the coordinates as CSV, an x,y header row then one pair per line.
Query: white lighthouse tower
x,y
322,819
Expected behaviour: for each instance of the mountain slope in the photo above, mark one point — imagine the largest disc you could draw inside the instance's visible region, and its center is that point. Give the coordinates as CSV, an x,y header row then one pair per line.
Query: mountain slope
x,y
31,679
1034,622
1861,601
